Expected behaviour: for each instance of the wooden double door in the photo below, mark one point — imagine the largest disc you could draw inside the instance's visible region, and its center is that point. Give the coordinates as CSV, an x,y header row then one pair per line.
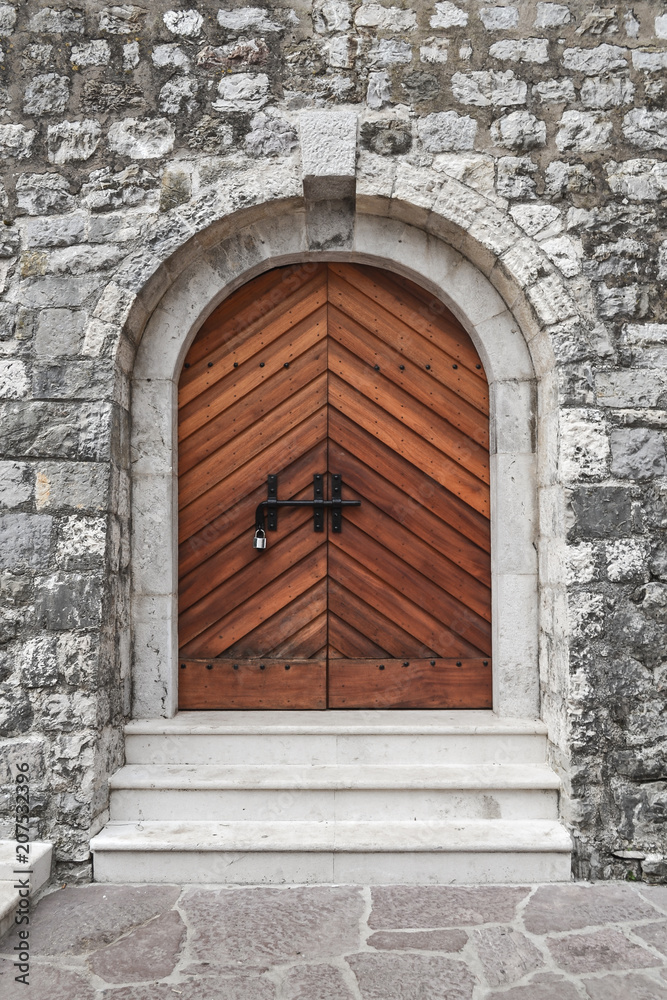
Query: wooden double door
x,y
349,371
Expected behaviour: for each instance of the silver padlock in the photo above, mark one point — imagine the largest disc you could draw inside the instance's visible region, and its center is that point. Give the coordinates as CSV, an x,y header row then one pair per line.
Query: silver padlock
x,y
259,541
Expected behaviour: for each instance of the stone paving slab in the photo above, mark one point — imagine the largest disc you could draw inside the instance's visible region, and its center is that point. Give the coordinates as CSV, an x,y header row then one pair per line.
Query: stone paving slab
x,y
606,941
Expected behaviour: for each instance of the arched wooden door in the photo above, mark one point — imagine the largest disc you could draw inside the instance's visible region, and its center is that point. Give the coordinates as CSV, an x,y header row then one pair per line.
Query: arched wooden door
x,y
350,371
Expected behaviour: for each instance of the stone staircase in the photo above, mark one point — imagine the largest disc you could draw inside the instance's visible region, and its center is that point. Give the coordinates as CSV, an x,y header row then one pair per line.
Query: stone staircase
x,y
368,797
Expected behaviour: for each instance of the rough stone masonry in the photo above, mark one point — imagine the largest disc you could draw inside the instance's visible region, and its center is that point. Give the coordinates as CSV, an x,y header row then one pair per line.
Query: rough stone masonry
x,y
119,122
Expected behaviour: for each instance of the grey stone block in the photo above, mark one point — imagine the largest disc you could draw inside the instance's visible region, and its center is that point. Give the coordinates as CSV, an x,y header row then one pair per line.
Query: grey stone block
x,y
59,332
637,453
69,600
56,430
25,541
603,511
80,486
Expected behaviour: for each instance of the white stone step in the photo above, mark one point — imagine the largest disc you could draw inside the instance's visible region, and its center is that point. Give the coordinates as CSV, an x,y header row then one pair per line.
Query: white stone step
x,y
469,851
38,871
348,792
336,737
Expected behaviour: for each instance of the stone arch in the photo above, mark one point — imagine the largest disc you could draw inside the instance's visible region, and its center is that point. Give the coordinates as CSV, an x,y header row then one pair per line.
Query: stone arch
x,y
459,246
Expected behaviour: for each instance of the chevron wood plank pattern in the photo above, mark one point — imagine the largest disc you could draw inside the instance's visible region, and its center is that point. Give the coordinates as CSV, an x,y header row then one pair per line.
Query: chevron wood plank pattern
x,y
349,369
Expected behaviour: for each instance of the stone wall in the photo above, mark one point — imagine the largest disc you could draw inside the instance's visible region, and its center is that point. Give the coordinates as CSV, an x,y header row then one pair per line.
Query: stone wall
x,y
121,126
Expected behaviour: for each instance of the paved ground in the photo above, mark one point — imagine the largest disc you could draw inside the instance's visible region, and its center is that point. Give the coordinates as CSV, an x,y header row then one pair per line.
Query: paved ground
x,y
550,942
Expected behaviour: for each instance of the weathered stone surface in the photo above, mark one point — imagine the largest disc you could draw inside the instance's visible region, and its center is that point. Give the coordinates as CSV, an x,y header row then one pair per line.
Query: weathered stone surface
x,y
46,94
395,977
16,141
529,50
242,92
449,941
328,151
486,88
326,982
601,59
638,179
519,130
583,131
56,430
646,129
203,985
51,20
599,951
499,18
637,453
16,484
379,90
70,141
606,92
555,92
25,541
45,981
552,15
447,131
147,952
620,987
396,907
570,907
515,177
374,15
77,921
386,137
122,19
142,140
506,955
95,53
43,194
253,927
448,15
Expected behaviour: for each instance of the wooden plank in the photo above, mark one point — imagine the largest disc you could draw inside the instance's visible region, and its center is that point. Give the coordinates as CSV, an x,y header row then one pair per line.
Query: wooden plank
x,y
409,376
401,507
371,533
417,308
349,642
388,566
410,683
240,382
279,627
244,344
215,433
353,610
273,598
410,479
295,480
212,573
409,445
251,442
407,340
251,475
218,684
404,407
396,607
247,585
249,303
306,642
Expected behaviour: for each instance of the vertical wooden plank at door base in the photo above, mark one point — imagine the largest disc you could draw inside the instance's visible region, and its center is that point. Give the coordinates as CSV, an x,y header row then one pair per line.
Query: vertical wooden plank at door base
x,y
413,683
252,684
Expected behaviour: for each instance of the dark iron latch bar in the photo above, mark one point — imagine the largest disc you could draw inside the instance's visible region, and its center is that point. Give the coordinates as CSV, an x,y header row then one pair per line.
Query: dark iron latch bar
x,y
266,514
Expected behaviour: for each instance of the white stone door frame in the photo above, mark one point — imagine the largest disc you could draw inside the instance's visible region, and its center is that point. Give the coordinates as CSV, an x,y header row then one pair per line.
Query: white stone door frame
x,y
211,275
